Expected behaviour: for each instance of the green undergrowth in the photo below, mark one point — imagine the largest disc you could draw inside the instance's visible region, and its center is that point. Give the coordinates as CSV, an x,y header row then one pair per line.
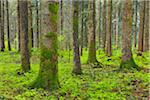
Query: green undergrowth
x,y
104,83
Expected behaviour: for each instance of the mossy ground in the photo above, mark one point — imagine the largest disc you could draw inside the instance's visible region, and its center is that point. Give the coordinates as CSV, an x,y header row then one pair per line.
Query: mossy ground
x,y
104,83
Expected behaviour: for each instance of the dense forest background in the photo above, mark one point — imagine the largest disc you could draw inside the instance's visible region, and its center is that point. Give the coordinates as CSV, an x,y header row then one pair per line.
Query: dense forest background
x,y
74,49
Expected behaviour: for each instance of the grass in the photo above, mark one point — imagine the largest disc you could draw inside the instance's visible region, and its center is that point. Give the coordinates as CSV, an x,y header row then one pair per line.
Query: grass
x,y
94,84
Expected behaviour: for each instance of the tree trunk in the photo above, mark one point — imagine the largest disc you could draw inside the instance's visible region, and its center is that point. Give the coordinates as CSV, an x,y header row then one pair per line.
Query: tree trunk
x,y
37,22
8,35
77,64
85,33
25,58
136,28
48,73
61,14
146,32
92,33
18,8
142,22
104,24
127,59
82,26
100,22
108,34
2,27
30,26
116,27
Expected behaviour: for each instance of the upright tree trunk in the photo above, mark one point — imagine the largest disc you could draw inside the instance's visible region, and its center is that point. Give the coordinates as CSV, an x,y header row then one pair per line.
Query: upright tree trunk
x,y
82,27
116,27
108,49
136,28
30,26
142,22
77,64
8,35
61,14
127,59
85,33
100,30
37,22
92,33
2,27
48,73
25,58
146,32
104,25
18,12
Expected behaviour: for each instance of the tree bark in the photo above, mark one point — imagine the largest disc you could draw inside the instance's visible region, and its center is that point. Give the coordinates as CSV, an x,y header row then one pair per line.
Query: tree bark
x,y
136,28
77,64
25,58
61,14
104,25
142,22
92,33
2,27
116,26
48,73
127,59
30,26
108,49
82,27
18,9
37,22
8,33
146,32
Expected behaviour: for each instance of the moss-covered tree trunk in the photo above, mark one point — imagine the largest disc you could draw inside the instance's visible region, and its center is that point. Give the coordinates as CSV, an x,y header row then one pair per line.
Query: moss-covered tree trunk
x,y
127,59
77,64
91,32
108,49
25,58
48,73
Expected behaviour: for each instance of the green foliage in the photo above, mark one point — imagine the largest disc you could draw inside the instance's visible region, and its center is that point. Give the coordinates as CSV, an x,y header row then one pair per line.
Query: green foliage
x,y
105,83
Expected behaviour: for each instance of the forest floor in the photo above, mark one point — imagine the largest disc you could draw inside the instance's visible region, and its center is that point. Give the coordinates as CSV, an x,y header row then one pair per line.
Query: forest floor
x,y
106,83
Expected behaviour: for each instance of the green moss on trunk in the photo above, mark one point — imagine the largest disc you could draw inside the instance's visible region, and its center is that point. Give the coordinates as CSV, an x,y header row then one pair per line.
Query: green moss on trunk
x,y
129,64
48,73
48,77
